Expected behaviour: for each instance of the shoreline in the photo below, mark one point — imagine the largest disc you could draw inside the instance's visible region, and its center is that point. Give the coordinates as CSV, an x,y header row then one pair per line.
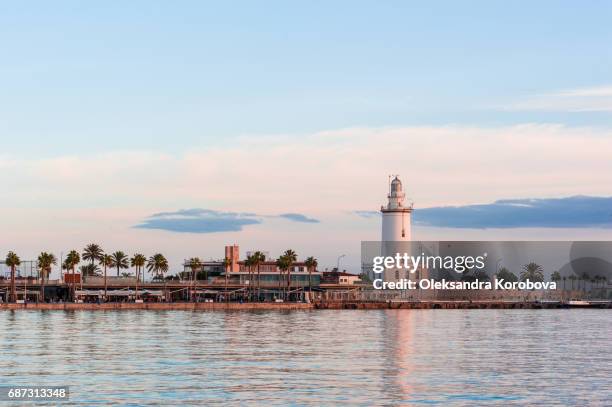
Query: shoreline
x,y
154,306
336,305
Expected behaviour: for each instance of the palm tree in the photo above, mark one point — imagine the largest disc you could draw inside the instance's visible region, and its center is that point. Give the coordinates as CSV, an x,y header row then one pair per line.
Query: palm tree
x,y
506,275
120,261
158,265
283,264
258,258
585,278
291,258
248,264
89,269
311,263
599,278
138,261
194,265
106,261
572,279
72,260
564,278
12,260
45,262
533,272
555,276
92,253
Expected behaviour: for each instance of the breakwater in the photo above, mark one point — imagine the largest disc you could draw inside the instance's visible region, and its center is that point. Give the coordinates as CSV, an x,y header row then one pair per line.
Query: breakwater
x,y
346,305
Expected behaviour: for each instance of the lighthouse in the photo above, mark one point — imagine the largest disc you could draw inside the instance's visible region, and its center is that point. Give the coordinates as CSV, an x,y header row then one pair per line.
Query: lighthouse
x,y
396,215
396,236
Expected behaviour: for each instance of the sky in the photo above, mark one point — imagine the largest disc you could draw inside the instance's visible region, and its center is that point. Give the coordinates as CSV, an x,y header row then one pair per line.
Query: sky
x,y
181,127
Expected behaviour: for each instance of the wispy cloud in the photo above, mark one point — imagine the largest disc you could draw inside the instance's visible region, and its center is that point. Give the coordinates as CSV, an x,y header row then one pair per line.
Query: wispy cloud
x,y
298,217
592,99
198,220
572,212
367,214
439,165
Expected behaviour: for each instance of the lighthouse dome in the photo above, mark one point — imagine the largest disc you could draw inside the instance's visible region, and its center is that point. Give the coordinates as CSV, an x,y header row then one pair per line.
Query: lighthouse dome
x,y
396,185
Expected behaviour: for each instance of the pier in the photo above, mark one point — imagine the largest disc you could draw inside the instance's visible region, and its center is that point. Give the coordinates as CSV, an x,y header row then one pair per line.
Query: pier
x,y
318,305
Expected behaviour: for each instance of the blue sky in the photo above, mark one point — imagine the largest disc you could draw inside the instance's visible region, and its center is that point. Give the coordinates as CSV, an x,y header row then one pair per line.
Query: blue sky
x,y
78,77
296,112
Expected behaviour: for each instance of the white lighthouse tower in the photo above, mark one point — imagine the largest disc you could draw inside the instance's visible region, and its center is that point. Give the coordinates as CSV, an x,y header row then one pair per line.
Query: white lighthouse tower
x,y
395,229
396,216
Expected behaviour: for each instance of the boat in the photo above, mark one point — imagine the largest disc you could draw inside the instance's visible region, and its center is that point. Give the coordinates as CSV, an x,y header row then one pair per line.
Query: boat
x,y
578,303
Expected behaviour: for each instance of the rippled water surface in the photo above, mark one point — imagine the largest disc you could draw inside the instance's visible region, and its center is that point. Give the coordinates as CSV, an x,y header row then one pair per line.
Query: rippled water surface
x,y
390,357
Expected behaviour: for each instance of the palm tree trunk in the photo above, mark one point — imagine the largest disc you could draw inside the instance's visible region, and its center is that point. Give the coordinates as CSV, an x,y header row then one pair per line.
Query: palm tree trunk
x,y
258,284
288,283
13,294
105,285
310,279
137,279
73,285
42,286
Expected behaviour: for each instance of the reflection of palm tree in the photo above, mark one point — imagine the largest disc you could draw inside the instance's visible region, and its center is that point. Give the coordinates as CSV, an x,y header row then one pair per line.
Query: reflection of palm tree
x,y
532,272
45,262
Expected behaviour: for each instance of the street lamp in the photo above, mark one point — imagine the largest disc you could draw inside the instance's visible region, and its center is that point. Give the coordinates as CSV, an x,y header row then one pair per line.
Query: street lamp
x,y
338,263
497,265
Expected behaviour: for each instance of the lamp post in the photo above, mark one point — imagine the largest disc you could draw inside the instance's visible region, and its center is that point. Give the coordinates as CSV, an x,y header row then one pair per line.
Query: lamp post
x,y
338,262
497,265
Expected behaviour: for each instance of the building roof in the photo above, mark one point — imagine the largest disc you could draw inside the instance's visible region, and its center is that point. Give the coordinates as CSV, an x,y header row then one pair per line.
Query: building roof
x,y
339,273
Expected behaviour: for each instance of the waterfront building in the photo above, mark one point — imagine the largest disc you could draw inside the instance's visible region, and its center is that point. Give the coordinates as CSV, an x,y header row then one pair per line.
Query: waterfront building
x,y
339,278
269,275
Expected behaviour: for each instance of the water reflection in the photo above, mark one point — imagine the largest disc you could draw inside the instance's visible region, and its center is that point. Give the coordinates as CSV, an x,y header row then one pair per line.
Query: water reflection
x,y
461,357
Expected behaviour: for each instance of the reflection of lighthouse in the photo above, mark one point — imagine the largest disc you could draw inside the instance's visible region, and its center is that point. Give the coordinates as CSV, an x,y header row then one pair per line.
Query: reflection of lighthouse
x,y
396,216
395,228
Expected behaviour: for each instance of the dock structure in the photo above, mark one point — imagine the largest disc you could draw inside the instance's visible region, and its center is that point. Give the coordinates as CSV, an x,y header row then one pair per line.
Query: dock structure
x,y
317,305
